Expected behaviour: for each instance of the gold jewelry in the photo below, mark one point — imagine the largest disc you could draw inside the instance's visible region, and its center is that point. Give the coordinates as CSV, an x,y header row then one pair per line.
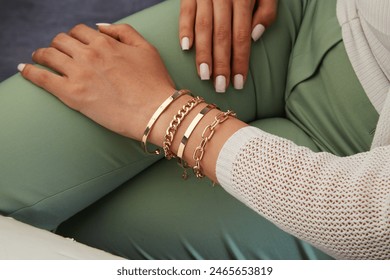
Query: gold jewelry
x,y
187,135
155,117
191,128
207,134
173,126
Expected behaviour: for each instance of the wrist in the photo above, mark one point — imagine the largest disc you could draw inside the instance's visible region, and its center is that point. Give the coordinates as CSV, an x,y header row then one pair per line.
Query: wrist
x,y
221,132
158,132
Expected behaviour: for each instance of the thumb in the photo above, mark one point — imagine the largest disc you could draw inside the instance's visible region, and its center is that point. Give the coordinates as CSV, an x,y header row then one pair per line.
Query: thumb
x,y
123,33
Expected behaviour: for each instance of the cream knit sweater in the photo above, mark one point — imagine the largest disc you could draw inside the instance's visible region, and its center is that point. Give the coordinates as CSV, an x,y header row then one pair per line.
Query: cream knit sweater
x,y
339,204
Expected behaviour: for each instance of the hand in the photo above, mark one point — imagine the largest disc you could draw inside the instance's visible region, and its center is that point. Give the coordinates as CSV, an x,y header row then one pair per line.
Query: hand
x,y
114,76
221,31
118,80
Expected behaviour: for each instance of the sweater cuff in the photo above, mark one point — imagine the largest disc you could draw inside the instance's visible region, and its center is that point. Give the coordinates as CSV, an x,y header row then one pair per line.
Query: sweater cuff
x,y
229,153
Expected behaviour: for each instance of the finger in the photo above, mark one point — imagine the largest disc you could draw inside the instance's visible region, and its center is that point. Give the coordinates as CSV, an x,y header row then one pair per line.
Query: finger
x,y
53,59
263,17
67,44
187,23
83,33
242,27
204,38
123,33
222,44
47,80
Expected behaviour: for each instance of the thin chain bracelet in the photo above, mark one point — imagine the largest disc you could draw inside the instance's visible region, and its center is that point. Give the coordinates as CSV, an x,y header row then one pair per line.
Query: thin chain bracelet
x,y
207,134
173,126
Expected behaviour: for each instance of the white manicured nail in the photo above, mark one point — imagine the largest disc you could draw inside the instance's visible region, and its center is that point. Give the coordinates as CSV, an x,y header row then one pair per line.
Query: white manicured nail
x,y
103,24
21,67
238,81
185,43
220,84
204,71
258,32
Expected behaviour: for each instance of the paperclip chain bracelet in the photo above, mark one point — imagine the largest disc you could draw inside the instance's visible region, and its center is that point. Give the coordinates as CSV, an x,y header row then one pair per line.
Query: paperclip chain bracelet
x,y
173,126
207,134
156,115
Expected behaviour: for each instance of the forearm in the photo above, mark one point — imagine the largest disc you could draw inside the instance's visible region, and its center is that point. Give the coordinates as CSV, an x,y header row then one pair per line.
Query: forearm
x,y
310,195
339,204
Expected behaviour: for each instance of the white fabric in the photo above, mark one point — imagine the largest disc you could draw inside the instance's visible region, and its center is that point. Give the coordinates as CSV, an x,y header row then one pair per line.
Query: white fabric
x,y
340,205
382,134
366,34
366,39
20,241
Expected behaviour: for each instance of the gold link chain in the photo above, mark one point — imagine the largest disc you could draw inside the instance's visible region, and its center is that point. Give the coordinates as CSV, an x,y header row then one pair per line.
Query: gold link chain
x,y
207,134
176,121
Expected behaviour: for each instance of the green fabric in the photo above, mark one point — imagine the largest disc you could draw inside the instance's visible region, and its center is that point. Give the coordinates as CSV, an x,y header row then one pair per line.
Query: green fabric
x,y
53,155
335,112
263,95
323,95
55,162
158,215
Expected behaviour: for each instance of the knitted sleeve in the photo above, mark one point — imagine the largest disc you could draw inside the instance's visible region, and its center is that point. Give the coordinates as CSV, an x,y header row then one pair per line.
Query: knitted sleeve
x,y
338,204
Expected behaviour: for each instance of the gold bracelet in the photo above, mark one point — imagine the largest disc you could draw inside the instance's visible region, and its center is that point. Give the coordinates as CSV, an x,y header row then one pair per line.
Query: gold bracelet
x,y
192,127
187,135
156,115
176,121
207,134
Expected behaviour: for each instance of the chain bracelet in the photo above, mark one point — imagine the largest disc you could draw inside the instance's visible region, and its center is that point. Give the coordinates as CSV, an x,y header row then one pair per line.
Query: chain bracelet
x,y
207,134
176,121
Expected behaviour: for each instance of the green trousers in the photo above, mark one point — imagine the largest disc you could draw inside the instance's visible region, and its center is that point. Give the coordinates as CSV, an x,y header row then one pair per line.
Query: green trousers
x,y
61,171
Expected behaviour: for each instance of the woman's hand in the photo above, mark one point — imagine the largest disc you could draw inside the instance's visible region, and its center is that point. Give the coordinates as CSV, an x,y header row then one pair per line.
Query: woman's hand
x,y
114,76
221,31
118,80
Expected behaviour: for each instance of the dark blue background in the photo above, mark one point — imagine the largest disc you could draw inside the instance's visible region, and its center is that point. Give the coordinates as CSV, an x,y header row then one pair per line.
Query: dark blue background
x,y
26,25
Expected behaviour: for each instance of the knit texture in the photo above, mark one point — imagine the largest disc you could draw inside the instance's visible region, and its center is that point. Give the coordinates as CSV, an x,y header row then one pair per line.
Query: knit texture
x,y
382,134
366,35
340,205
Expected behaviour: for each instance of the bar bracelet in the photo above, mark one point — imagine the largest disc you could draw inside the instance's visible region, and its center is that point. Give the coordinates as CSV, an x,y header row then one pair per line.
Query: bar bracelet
x,y
155,117
187,134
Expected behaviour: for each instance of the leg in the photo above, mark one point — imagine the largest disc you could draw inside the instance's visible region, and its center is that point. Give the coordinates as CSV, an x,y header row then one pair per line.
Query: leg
x,y
55,162
157,215
192,220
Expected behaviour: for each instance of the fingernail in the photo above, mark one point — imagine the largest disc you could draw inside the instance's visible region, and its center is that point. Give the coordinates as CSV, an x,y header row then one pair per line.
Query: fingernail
x,y
204,71
238,81
103,24
21,67
220,84
258,32
185,43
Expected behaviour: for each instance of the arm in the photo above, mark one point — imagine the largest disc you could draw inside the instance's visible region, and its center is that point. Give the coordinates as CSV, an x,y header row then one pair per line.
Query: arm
x,y
339,204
